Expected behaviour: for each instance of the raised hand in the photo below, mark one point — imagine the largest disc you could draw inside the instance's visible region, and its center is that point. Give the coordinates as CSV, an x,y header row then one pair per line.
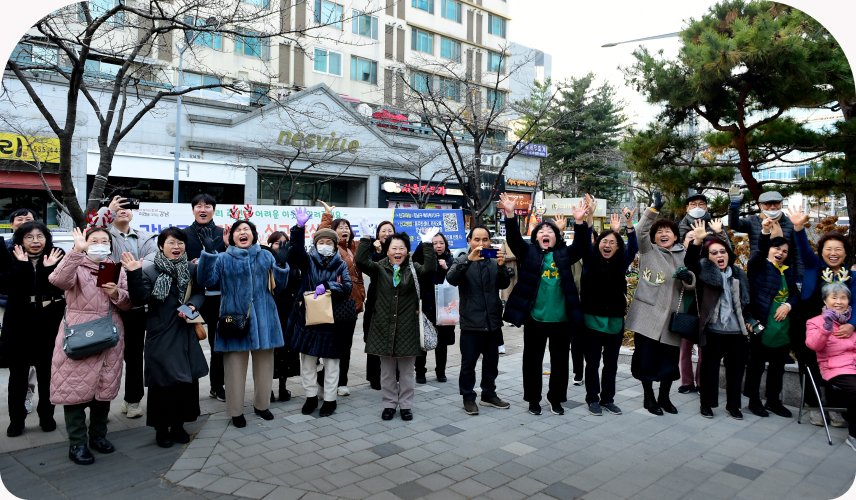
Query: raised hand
x,y
615,222
365,228
683,274
80,244
226,230
429,234
580,211
301,216
699,231
327,208
797,217
716,225
628,217
116,203
19,253
281,256
129,262
561,221
658,201
209,242
54,257
507,204
767,225
735,194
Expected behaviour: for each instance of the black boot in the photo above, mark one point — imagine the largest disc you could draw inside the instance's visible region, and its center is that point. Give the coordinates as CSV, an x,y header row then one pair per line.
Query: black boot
x,y
327,409
650,402
81,455
664,401
310,405
179,435
284,394
162,437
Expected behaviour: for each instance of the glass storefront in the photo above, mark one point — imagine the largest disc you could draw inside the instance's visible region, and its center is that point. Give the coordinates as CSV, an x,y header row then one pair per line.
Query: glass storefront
x,y
275,188
160,191
37,200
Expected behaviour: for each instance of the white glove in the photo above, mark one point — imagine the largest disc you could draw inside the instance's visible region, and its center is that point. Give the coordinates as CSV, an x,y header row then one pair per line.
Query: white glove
x,y
429,234
365,228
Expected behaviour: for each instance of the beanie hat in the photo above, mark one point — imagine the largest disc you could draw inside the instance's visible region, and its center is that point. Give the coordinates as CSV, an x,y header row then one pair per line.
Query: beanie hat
x,y
325,233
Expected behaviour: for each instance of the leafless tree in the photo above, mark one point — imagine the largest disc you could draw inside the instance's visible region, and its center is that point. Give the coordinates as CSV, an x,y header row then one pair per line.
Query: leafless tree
x,y
417,163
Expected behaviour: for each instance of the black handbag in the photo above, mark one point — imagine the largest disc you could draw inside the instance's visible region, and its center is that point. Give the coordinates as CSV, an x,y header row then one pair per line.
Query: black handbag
x,y
84,340
232,326
685,325
344,310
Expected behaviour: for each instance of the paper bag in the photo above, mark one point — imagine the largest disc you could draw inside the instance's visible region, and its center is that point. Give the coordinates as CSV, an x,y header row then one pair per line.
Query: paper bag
x,y
319,310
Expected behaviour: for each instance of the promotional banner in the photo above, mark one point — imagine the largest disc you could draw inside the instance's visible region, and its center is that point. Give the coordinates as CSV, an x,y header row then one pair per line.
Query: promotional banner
x,y
450,222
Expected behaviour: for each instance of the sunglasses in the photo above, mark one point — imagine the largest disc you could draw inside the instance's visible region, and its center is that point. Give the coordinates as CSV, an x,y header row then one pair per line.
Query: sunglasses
x,y
718,252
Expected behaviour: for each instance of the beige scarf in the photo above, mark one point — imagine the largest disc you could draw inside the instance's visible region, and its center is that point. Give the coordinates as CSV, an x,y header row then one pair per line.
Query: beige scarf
x,y
776,232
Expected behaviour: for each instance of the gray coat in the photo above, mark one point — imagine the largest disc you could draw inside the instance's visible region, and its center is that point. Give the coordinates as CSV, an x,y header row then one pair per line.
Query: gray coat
x,y
653,303
478,285
147,243
751,225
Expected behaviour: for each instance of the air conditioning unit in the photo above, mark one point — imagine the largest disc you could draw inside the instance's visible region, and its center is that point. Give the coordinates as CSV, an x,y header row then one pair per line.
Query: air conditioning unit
x,y
498,160
486,160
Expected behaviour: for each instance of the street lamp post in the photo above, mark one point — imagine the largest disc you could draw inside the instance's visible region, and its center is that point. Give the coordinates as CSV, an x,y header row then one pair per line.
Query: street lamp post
x,y
667,35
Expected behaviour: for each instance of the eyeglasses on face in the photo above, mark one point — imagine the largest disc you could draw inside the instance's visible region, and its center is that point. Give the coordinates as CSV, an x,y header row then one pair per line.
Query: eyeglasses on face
x,y
30,238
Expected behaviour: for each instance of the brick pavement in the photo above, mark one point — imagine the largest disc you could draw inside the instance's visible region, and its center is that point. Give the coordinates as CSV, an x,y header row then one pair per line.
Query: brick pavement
x,y
445,454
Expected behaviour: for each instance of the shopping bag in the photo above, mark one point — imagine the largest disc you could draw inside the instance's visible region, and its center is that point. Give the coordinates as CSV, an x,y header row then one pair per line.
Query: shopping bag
x,y
446,297
319,310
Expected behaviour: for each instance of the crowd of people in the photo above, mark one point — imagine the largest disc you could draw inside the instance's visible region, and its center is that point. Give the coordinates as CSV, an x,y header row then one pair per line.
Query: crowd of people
x,y
293,308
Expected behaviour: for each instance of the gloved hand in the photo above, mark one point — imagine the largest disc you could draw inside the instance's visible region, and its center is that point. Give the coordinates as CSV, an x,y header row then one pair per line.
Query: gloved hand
x,y
828,316
429,234
319,290
281,255
301,216
658,201
735,194
683,274
365,228
209,243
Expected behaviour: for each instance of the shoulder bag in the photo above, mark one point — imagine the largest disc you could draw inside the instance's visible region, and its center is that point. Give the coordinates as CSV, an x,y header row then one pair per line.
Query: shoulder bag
x,y
427,332
84,340
685,325
231,326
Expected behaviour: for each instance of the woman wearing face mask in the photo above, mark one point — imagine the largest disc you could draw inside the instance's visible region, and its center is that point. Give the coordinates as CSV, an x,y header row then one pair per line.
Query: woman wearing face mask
x,y
604,303
347,251
836,350
829,265
174,361
661,280
322,270
243,274
377,253
723,305
394,332
33,314
92,381
286,363
445,334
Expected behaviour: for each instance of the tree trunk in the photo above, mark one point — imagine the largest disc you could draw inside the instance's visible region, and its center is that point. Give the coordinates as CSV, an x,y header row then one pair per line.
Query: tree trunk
x,y
69,195
745,168
105,164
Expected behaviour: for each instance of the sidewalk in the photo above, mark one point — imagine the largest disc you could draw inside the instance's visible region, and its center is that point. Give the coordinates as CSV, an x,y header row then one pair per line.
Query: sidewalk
x,y
444,453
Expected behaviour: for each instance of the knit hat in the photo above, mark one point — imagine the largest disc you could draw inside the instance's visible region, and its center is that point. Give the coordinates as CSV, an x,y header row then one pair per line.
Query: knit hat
x,y
325,233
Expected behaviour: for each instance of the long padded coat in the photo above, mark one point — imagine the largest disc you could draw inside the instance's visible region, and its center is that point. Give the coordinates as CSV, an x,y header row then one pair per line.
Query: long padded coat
x,y
394,329
348,251
238,272
315,340
98,376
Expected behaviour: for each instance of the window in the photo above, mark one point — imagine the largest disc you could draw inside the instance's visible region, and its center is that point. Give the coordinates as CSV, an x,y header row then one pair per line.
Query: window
x,y
421,82
100,68
328,13
260,95
364,25
252,47
450,89
212,40
496,25
363,70
427,5
98,8
194,80
422,41
258,3
328,62
28,53
495,63
450,9
495,99
450,49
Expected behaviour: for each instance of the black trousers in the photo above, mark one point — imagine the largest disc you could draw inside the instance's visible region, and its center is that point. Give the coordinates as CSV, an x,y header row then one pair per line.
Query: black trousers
x,y
535,337
847,384
373,369
733,349
346,341
578,354
134,322
606,345
18,374
473,345
759,354
441,353
210,311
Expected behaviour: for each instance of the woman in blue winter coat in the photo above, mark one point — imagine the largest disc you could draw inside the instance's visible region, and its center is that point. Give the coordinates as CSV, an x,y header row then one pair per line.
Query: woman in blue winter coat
x,y
322,269
242,272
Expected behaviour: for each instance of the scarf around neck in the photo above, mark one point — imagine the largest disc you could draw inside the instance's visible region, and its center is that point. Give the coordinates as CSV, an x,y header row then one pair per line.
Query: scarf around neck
x,y
171,269
204,230
725,305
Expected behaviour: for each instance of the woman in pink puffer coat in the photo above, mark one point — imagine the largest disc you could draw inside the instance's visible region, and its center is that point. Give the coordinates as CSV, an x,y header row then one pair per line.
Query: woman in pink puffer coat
x,y
93,381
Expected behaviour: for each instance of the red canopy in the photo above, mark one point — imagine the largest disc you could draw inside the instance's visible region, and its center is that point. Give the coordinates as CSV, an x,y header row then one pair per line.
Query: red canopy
x,y
386,116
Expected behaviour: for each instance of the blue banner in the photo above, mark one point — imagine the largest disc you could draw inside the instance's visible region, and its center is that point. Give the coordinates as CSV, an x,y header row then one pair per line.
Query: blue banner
x,y
413,222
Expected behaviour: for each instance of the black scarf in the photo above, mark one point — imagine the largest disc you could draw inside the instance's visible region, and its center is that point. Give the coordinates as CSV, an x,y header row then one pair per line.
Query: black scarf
x,y
204,231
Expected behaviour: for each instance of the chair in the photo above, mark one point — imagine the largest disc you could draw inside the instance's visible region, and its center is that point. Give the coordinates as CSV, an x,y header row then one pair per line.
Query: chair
x,y
819,402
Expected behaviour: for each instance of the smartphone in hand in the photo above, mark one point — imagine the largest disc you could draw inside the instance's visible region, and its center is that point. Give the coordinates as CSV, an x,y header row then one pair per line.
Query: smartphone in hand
x,y
131,203
488,253
190,313
108,272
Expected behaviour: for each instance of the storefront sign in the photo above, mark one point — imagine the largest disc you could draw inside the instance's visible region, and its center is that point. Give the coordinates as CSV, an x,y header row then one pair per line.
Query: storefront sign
x,y
450,222
415,206
317,141
534,150
517,182
416,188
521,202
19,147
566,206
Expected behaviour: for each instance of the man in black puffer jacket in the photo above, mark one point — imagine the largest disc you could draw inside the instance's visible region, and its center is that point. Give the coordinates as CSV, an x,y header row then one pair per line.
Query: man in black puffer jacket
x,y
479,281
771,207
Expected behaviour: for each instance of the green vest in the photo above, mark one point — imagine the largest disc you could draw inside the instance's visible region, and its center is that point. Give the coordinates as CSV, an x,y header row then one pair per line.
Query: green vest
x,y
776,332
549,306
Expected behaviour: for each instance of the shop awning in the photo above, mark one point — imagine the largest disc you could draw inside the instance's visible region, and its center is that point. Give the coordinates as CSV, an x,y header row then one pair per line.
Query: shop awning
x,y
28,180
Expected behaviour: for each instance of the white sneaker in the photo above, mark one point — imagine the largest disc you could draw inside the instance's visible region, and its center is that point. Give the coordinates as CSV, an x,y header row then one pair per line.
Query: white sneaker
x,y
502,349
124,407
28,404
851,442
578,381
134,410
344,391
815,418
836,419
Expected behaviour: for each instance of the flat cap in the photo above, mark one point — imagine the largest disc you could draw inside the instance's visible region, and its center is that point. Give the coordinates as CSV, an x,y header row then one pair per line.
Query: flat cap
x,y
771,197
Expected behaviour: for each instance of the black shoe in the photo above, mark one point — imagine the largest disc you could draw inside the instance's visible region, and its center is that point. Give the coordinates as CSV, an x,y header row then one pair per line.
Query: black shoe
x,y
666,405
778,408
495,402
470,407
686,389
420,379
15,430
388,413
651,405
162,437
706,412
101,445
81,455
441,377
219,394
375,385
406,415
594,409
327,408
265,414
756,407
611,408
239,421
309,406
179,435
534,408
284,395
48,425
555,408
735,414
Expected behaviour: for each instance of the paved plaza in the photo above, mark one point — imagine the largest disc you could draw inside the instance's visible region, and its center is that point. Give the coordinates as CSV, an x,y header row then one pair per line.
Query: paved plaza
x,y
444,453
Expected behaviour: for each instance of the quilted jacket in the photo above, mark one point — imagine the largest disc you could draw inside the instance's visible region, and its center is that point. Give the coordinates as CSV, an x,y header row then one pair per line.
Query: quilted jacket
x,y
394,329
347,251
835,356
98,376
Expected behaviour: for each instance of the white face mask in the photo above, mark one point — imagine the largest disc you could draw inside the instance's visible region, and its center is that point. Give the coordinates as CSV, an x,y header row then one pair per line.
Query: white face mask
x,y
772,213
98,252
697,213
325,250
